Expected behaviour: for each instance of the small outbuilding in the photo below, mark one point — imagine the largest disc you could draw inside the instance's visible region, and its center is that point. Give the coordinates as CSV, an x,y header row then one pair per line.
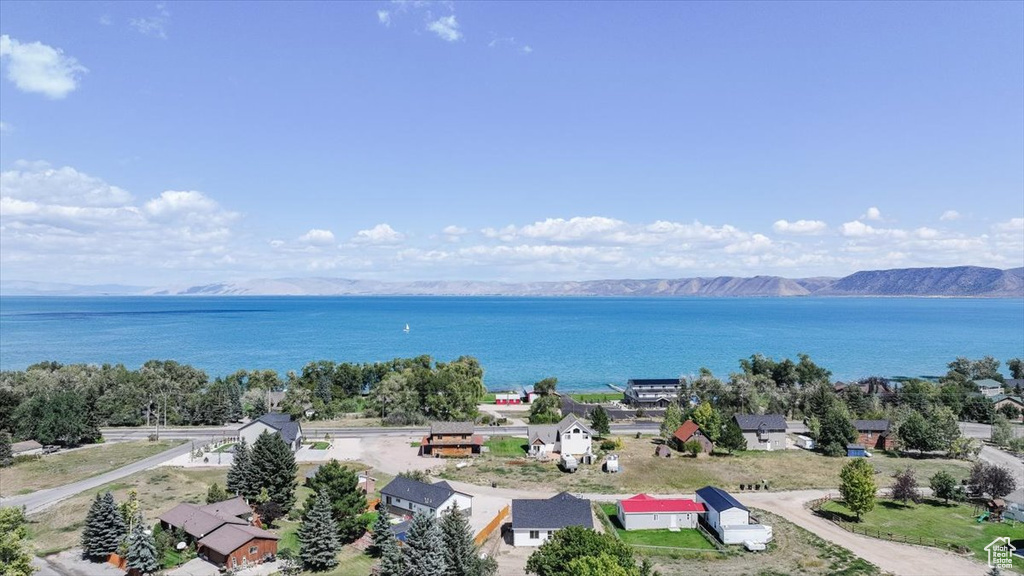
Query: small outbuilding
x,y
856,451
611,463
643,512
690,431
729,519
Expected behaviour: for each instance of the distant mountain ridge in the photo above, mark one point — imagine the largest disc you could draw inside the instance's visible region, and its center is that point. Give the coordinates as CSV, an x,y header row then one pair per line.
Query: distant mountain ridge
x,y
959,281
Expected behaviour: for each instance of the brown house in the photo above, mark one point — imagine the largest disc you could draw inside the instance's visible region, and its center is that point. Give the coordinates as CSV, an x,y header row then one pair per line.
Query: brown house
x,y
236,546
873,434
690,431
451,439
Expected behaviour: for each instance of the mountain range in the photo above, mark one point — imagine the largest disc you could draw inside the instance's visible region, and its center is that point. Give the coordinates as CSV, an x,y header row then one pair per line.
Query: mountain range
x,y
959,281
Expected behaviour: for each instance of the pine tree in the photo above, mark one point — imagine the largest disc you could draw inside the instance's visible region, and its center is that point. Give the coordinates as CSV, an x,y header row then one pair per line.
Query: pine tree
x,y
318,536
104,528
238,474
392,561
348,502
732,437
599,421
459,549
424,547
272,466
141,554
381,533
90,532
216,494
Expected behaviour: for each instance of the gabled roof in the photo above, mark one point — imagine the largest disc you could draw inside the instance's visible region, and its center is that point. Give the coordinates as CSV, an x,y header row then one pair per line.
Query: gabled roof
x,y
195,521
871,425
987,383
429,495
283,423
719,499
451,428
644,504
754,422
686,431
571,421
230,537
1000,397
233,507
545,433
555,513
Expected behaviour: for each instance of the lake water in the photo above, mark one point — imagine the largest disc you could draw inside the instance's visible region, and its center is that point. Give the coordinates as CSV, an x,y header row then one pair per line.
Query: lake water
x,y
585,342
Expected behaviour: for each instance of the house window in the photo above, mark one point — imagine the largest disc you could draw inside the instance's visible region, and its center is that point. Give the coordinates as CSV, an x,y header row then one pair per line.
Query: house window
x,y
388,499
253,549
550,533
655,516
534,534
234,562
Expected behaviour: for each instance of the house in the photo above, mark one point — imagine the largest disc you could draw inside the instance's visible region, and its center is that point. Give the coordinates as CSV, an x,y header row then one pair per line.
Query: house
x,y
868,387
273,423
223,532
1000,400
651,393
534,521
763,432
1014,384
643,512
989,387
569,436
729,519
690,431
451,439
405,496
874,434
529,395
26,448
856,451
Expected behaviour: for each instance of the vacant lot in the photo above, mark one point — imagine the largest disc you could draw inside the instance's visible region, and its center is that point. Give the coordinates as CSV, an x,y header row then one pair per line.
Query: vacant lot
x,y
931,523
66,467
641,471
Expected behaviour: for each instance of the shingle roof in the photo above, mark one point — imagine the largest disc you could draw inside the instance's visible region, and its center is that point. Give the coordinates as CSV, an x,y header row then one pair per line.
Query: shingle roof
x,y
988,383
546,433
1000,397
719,499
871,425
643,504
195,521
430,495
686,431
555,513
283,423
752,422
571,420
228,538
233,507
451,428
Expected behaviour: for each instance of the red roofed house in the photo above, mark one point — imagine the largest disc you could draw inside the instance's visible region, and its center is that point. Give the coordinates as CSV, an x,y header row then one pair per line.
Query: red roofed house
x,y
690,431
643,512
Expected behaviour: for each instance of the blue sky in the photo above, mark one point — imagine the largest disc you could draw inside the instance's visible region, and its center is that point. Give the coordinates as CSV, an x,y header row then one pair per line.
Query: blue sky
x,y
152,143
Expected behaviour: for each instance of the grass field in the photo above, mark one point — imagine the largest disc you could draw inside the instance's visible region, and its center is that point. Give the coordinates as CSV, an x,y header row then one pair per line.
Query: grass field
x,y
351,562
932,520
642,472
66,467
692,539
596,397
506,446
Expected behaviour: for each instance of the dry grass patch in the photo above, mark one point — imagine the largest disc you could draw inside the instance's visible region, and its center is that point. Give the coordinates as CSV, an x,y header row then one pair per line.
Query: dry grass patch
x,y
65,467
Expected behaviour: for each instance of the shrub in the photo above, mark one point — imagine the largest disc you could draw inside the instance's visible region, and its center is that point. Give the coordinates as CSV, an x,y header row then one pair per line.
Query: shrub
x,y
608,445
485,419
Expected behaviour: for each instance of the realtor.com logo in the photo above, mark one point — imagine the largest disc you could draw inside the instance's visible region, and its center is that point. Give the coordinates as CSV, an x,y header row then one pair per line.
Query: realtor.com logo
x,y
1000,553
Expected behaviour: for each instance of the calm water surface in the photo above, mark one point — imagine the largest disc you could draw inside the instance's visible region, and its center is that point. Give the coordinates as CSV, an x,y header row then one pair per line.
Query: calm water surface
x,y
585,342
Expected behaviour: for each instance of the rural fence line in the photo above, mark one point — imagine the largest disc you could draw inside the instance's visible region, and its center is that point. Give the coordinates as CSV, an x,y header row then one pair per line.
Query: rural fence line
x,y
855,528
492,525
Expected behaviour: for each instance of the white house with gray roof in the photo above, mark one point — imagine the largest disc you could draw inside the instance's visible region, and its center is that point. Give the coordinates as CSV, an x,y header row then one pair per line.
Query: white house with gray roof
x,y
534,521
273,423
569,436
763,431
405,497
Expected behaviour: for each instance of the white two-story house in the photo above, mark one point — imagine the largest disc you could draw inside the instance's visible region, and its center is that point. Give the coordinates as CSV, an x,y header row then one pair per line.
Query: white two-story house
x,y
569,436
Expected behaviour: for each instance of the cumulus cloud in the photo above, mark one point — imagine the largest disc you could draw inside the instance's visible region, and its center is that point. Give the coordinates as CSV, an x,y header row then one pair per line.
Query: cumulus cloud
x,y
39,182
37,68
799,227
949,216
318,237
1013,225
446,28
873,213
155,24
379,234
384,17
858,229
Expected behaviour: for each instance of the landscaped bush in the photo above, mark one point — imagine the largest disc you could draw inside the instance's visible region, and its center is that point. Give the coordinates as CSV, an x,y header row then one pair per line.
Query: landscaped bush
x,y
485,419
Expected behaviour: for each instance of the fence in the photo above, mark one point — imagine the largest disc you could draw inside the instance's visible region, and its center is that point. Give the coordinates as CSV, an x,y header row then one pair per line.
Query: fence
x,y
492,526
839,520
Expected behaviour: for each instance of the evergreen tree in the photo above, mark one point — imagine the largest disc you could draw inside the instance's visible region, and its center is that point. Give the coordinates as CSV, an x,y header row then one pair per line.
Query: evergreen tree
x,y
732,437
238,474
104,528
5,449
341,484
392,561
459,549
272,466
381,533
599,421
673,419
318,536
141,554
857,486
216,494
424,547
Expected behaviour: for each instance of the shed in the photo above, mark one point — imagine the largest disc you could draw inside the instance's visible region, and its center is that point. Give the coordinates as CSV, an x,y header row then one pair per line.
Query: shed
x,y
611,463
856,451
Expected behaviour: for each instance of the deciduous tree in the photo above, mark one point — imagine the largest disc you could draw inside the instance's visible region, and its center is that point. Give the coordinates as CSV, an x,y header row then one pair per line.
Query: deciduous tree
x,y
944,486
857,486
709,420
565,545
904,487
732,437
673,419
5,449
917,434
15,559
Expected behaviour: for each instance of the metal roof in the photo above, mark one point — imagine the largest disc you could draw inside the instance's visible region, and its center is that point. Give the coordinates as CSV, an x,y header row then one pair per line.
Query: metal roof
x,y
644,504
555,513
718,499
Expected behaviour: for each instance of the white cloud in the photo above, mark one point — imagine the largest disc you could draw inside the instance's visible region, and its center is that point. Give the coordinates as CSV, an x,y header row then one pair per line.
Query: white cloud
x,y
384,17
873,213
379,234
858,229
106,20
5,127
38,68
318,237
526,49
155,25
808,227
446,28
1011,226
577,228
949,216
41,183
454,230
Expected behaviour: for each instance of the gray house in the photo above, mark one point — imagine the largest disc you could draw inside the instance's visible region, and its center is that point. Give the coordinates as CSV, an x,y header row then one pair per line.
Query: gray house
x,y
405,497
534,521
651,393
273,423
763,432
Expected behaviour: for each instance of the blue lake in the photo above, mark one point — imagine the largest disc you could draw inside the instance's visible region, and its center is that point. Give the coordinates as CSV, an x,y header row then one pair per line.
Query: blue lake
x,y
585,342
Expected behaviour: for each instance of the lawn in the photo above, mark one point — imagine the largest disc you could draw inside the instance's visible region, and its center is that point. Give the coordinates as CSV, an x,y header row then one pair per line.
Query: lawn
x,y
685,538
596,397
225,448
932,523
506,446
351,562
66,467
320,446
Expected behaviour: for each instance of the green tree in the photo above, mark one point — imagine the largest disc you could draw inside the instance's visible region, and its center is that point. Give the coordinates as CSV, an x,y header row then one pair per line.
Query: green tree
x,y
58,417
836,431
424,547
1002,431
565,545
341,485
917,434
732,438
1009,411
6,456
141,554
599,421
318,536
944,486
104,529
238,474
130,510
601,565
857,486
945,426
1016,366
216,494
15,559
460,553
546,387
272,466
392,560
381,533
545,410
673,419
709,420
692,447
